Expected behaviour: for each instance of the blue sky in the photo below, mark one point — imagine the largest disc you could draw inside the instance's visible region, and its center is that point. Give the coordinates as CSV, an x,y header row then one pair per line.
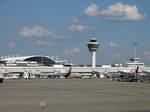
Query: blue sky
x,y
63,27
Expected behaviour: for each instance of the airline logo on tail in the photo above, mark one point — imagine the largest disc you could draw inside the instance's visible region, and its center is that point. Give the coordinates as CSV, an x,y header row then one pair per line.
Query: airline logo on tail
x,y
67,74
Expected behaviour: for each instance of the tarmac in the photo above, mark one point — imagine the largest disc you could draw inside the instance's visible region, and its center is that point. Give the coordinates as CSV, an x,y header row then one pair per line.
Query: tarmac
x,y
74,95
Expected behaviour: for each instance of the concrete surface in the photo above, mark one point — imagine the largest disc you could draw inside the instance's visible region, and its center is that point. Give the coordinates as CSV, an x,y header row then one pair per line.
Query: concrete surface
x,y
74,95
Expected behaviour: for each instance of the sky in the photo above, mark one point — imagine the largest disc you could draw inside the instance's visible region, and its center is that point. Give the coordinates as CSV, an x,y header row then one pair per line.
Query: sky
x,y
63,28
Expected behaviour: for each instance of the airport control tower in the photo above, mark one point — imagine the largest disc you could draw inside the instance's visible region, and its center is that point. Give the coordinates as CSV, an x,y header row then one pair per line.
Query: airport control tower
x,y
93,45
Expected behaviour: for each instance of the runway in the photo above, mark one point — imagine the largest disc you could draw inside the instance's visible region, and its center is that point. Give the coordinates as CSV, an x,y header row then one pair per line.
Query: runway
x,y
74,95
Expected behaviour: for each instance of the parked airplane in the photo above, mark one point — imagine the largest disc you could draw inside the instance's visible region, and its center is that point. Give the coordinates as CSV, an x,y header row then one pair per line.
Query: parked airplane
x,y
8,76
11,77
145,76
61,73
128,76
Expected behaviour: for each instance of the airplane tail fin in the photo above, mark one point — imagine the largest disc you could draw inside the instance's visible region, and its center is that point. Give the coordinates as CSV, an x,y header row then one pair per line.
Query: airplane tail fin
x,y
1,79
136,72
68,73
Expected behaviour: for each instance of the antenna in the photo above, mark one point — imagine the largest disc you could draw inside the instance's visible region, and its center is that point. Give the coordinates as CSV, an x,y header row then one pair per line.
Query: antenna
x,y
42,61
56,58
135,49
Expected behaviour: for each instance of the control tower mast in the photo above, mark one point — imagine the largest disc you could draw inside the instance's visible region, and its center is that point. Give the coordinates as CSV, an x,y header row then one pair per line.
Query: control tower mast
x,y
93,45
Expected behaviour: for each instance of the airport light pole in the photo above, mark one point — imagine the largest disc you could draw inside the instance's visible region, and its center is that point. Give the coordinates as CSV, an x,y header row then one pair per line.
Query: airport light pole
x,y
135,49
93,45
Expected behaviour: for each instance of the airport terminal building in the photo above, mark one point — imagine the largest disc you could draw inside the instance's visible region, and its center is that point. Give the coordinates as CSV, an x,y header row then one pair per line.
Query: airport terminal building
x,y
43,65
40,64
34,60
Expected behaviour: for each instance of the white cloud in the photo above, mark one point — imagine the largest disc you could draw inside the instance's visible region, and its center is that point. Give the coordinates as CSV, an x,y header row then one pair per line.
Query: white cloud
x,y
78,28
91,10
36,31
42,43
71,53
117,11
75,50
120,11
76,20
147,55
113,45
12,44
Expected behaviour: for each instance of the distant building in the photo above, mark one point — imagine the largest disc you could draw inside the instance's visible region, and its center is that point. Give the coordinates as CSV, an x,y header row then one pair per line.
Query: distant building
x,y
35,60
134,62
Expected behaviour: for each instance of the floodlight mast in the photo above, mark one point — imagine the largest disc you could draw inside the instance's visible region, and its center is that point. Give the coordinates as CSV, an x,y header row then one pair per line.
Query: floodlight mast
x,y
135,44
